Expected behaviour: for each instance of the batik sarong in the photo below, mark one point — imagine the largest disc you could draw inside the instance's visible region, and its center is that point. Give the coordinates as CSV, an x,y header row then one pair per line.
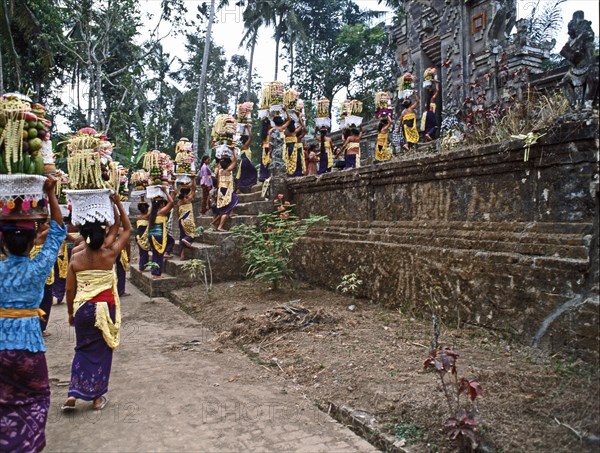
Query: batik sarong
x,y
143,244
265,161
383,152
187,225
409,125
226,199
24,400
157,235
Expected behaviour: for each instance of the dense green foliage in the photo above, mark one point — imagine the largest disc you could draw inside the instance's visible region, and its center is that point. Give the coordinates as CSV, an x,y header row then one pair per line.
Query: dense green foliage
x,y
98,64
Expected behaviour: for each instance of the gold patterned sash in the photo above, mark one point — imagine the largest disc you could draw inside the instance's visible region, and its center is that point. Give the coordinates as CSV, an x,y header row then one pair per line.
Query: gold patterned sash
x,y
90,283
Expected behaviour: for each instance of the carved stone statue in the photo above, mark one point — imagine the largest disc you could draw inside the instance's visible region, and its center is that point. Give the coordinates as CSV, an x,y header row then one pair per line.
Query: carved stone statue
x,y
503,20
580,84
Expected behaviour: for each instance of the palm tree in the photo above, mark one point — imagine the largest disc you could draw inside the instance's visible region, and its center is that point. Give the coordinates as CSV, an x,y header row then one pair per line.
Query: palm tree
x,y
253,20
207,40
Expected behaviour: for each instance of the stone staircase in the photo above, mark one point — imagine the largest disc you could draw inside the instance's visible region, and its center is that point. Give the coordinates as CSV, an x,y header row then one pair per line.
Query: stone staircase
x,y
217,249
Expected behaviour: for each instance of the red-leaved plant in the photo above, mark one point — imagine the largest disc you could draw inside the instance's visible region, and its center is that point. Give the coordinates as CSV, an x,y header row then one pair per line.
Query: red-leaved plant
x,y
461,427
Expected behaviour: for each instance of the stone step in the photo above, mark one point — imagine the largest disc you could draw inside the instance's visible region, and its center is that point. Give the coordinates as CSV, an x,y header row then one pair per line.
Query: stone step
x,y
159,287
213,237
253,207
197,251
175,267
204,221
251,196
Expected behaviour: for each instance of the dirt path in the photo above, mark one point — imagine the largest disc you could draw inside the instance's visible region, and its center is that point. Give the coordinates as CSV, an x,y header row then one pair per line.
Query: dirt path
x,y
172,389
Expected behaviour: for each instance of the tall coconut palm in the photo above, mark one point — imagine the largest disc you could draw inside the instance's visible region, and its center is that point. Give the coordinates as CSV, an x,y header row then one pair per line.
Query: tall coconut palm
x,y
253,20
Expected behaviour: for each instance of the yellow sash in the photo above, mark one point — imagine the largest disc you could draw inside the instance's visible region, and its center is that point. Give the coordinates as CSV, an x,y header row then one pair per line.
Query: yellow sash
x,y
382,150
143,239
188,224
160,246
266,155
356,145
329,152
90,283
224,199
124,260
14,313
34,251
63,261
410,133
248,154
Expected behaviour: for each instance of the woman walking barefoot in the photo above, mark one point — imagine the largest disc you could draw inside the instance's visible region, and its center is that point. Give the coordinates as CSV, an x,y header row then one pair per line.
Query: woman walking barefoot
x,y
226,198
94,307
157,230
187,224
24,387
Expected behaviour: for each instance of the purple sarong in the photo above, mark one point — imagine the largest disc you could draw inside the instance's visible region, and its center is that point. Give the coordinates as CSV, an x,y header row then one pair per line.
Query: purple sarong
x,y
59,286
93,358
323,162
299,156
234,201
350,161
24,400
183,236
46,305
121,276
264,169
248,174
170,245
157,257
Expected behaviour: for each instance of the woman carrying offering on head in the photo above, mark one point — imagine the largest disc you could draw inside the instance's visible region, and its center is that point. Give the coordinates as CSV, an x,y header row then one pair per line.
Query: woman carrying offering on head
x,y
94,307
409,122
141,236
226,198
383,153
326,151
294,160
157,230
352,147
206,176
246,175
266,158
24,387
187,224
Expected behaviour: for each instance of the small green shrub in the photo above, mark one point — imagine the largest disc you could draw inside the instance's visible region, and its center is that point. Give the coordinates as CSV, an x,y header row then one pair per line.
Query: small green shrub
x,y
266,248
350,284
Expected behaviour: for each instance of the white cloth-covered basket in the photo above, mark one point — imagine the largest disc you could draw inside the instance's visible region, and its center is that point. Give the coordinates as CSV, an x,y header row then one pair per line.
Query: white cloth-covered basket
x,y
22,196
353,120
323,122
154,191
277,110
263,113
183,178
92,205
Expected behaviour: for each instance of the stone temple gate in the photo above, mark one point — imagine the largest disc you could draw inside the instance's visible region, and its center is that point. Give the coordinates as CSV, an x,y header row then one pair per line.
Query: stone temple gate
x,y
469,44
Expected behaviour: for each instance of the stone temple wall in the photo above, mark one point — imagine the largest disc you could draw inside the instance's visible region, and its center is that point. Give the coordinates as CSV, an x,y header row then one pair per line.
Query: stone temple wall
x,y
496,241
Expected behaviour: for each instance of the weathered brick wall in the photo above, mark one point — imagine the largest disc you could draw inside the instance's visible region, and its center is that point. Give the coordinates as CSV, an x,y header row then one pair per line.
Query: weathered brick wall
x,y
497,241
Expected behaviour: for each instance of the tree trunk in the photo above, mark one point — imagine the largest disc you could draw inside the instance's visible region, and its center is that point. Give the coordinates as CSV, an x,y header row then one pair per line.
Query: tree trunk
x,y
291,63
276,57
249,82
98,121
203,79
1,74
206,131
